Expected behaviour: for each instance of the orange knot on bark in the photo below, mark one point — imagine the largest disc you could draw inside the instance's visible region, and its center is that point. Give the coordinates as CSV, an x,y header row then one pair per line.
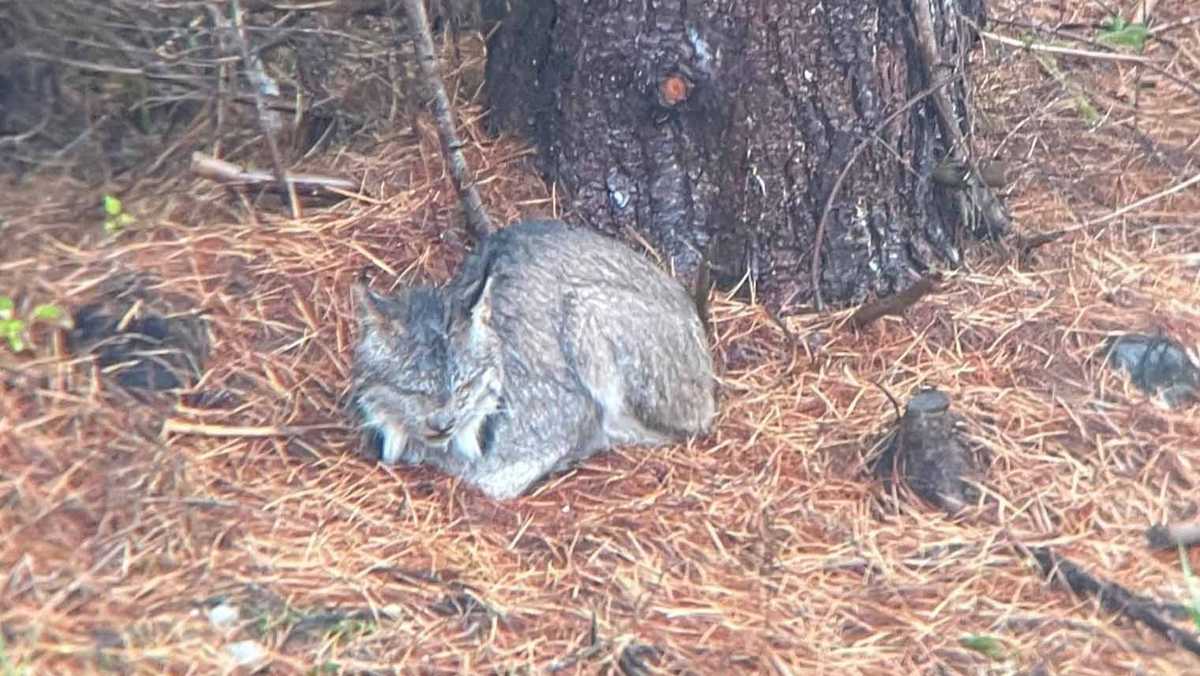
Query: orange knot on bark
x,y
674,90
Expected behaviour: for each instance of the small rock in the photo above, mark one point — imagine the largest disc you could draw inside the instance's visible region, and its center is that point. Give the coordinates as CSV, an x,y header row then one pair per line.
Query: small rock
x,y
1156,365
637,659
245,653
223,616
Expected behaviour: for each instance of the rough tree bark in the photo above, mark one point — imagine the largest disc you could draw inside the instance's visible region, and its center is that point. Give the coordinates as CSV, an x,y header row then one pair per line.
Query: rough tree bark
x,y
723,126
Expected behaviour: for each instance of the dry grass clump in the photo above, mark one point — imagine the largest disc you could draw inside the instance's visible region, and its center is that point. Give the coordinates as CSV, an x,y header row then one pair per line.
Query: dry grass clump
x,y
767,547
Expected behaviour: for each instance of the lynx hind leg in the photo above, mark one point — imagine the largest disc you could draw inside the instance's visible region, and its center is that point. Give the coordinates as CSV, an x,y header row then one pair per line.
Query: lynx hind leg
x,y
510,479
667,380
652,387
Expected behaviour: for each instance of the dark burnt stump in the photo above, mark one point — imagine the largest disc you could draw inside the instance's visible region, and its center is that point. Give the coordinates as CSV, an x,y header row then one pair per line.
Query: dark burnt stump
x,y
725,124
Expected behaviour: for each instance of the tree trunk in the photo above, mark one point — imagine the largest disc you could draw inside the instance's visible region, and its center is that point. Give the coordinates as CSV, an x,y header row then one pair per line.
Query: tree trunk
x,y
723,126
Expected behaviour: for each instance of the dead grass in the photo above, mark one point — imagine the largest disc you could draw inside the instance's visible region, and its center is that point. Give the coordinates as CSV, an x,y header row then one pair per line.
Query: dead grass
x,y
764,548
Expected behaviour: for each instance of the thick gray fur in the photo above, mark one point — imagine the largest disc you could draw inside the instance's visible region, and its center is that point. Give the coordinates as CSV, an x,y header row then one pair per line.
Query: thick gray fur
x,y
551,344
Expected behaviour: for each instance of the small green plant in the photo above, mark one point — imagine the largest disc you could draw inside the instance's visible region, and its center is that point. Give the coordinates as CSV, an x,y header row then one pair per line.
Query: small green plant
x,y
350,629
992,647
1118,32
7,666
15,330
1193,587
115,217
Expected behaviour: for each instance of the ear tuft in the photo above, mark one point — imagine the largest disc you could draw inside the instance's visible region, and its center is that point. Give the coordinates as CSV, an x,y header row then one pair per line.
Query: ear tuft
x,y
474,301
481,311
369,307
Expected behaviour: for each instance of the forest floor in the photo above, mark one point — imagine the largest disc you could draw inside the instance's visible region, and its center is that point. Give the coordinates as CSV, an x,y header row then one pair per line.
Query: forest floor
x,y
158,534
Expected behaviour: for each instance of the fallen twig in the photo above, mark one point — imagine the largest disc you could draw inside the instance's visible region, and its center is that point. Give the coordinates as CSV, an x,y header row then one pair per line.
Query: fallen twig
x,y
1065,51
477,219
348,7
257,77
1178,187
308,184
177,426
895,304
1115,598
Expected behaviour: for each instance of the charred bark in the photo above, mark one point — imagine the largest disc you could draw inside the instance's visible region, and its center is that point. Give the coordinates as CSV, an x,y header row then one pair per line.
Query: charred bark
x,y
723,126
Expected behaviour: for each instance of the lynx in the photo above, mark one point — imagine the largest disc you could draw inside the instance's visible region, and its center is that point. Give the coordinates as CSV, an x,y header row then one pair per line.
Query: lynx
x,y
551,344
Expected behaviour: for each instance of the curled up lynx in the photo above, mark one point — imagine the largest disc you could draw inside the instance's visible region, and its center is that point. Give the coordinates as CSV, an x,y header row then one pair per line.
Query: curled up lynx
x,y
551,344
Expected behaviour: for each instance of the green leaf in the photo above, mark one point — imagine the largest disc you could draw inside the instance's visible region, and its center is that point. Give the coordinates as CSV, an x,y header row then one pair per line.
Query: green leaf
x,y
1114,23
9,327
47,312
1193,587
992,647
16,342
6,307
117,223
112,206
1087,111
1118,31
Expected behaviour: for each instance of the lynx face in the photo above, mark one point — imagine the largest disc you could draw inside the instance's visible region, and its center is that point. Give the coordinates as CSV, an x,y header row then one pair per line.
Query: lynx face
x,y
395,416
427,371
400,370
474,371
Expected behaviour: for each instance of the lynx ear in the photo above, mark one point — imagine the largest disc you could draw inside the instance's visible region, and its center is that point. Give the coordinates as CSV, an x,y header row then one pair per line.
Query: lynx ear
x,y
475,302
369,307
481,309
477,307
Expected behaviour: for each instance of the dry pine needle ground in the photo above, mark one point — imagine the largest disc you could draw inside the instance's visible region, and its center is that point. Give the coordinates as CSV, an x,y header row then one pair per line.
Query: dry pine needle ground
x,y
767,547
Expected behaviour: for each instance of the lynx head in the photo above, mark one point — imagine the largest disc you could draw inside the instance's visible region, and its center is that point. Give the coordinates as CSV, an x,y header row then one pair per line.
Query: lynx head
x,y
400,376
474,369
427,369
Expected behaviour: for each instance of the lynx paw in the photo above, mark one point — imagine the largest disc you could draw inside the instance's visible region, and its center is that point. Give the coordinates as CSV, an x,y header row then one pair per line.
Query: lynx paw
x,y
466,447
395,447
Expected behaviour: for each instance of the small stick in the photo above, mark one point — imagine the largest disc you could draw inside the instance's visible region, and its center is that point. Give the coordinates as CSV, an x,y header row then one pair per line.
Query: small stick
x,y
1171,536
1113,597
1178,187
1028,245
227,172
177,426
895,304
1065,51
255,74
478,222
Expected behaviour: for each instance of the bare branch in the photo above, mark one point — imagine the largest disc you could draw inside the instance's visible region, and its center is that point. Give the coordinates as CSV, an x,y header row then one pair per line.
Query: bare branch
x,y
819,236
477,219
1114,598
1066,51
307,184
254,73
894,305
